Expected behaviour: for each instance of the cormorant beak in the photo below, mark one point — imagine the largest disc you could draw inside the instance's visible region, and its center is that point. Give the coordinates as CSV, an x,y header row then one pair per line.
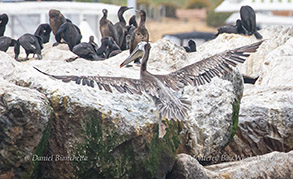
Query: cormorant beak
x,y
129,8
138,52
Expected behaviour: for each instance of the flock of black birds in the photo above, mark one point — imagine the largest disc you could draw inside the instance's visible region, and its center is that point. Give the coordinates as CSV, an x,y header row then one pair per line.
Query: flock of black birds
x,y
115,37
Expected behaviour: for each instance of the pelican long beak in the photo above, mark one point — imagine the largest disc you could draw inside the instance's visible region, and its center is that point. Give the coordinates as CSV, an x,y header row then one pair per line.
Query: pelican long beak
x,y
137,53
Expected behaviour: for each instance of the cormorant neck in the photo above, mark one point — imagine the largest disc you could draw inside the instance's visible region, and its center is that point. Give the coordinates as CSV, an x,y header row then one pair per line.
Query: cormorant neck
x,y
142,21
121,18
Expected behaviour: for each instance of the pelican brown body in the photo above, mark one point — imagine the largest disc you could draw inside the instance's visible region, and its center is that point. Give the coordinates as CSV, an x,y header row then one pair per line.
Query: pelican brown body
x,y
107,28
56,19
161,87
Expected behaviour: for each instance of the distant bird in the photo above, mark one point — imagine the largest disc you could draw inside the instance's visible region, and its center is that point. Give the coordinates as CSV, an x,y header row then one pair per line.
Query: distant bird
x,y
44,31
92,42
249,80
140,33
86,50
247,15
191,46
132,25
108,48
232,29
161,87
31,44
70,33
121,27
3,22
107,28
6,42
56,19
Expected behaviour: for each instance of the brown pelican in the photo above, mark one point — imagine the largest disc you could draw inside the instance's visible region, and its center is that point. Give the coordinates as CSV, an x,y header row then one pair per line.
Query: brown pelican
x,y
6,42
44,31
56,19
140,33
3,22
247,15
107,28
31,44
161,87
191,46
121,27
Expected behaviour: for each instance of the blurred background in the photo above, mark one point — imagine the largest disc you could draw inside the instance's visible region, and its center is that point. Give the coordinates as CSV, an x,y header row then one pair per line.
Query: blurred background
x,y
177,20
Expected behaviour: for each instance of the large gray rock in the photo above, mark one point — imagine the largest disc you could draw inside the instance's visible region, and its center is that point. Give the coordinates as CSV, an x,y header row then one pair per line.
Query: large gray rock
x,y
117,135
272,165
265,122
266,118
24,116
187,167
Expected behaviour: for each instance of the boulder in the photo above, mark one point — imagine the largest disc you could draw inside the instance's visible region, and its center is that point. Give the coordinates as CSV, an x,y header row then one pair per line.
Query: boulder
x,y
265,122
25,116
100,134
272,165
265,119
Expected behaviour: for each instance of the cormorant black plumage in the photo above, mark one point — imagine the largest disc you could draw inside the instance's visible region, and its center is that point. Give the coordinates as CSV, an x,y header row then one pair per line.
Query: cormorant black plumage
x,y
30,43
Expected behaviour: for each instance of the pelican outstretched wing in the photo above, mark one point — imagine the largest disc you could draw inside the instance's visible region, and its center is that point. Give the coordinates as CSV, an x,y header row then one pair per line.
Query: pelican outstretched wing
x,y
123,85
203,71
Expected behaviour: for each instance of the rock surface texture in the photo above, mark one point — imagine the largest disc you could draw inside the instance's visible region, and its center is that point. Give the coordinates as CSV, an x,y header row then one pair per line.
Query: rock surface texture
x,y
272,165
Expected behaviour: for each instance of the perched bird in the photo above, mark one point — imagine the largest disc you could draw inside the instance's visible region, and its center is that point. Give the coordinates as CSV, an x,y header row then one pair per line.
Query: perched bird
x,y
191,46
249,80
121,27
3,22
93,43
161,87
232,29
107,28
56,19
44,31
108,48
132,25
31,44
70,33
6,42
86,50
247,15
140,33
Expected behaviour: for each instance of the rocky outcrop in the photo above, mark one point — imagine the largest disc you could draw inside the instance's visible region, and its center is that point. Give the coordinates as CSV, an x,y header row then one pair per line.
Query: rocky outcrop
x,y
112,135
265,119
273,165
265,122
25,118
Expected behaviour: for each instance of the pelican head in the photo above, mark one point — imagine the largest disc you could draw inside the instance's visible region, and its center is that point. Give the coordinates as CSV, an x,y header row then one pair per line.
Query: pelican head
x,y
138,52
